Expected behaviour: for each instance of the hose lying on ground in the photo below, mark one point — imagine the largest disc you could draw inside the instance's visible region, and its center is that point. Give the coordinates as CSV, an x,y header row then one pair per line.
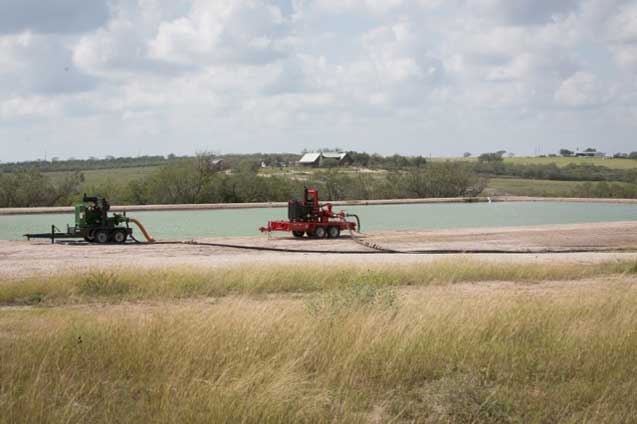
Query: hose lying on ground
x,y
380,250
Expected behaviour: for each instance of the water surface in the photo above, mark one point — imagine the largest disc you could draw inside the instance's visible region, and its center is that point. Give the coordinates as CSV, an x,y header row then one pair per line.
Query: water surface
x,y
245,222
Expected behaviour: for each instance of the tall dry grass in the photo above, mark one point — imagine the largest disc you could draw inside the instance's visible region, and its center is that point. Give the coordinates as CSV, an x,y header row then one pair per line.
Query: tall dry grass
x,y
130,284
360,352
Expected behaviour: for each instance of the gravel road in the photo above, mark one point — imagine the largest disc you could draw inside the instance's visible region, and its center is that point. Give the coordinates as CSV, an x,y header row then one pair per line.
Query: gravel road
x,y
20,259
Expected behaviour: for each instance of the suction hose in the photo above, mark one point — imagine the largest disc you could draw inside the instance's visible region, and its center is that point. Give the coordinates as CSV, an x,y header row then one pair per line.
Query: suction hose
x,y
142,229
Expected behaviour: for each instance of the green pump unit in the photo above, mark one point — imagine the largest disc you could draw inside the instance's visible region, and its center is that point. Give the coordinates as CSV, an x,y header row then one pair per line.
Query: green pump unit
x,y
93,224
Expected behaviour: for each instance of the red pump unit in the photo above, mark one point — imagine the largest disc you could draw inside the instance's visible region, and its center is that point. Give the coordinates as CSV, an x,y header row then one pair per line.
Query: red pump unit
x,y
309,217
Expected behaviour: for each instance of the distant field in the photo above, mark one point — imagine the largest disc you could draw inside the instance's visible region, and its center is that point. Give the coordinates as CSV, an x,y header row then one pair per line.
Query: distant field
x,y
541,188
117,175
522,187
560,161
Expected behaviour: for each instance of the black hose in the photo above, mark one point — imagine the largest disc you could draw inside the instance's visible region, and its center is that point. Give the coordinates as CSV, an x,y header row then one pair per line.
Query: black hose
x,y
261,248
395,252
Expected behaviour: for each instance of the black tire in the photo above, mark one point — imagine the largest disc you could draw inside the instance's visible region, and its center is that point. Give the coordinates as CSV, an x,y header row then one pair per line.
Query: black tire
x,y
334,232
119,236
320,232
102,236
298,234
90,237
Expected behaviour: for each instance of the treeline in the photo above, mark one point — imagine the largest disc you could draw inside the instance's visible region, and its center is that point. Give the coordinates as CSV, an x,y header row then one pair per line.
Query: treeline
x,y
571,172
607,190
200,179
376,161
32,188
365,160
197,181
85,164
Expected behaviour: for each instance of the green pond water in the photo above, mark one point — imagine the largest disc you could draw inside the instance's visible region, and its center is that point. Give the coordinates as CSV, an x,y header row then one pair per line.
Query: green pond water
x,y
245,222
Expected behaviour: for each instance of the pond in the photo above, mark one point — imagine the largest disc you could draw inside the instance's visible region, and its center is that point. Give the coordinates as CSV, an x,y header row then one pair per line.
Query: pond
x,y
245,222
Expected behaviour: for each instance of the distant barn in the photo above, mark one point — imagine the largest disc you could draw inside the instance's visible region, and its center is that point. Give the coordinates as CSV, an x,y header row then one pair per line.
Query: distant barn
x,y
215,164
325,159
590,155
310,159
341,158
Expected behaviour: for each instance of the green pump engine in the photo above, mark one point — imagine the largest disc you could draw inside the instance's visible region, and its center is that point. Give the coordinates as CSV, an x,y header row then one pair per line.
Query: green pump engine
x,y
94,224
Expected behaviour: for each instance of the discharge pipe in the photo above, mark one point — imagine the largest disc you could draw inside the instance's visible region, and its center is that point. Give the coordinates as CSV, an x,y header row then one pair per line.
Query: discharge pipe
x,y
149,238
358,221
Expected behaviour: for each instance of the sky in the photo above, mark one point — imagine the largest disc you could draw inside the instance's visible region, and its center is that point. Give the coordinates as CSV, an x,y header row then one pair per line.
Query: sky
x,y
420,77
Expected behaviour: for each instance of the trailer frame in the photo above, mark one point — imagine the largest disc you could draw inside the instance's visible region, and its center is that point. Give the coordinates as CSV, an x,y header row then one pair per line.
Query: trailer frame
x,y
309,217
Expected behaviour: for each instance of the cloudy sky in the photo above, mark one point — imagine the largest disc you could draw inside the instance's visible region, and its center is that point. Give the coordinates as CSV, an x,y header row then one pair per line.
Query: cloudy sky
x,y
441,77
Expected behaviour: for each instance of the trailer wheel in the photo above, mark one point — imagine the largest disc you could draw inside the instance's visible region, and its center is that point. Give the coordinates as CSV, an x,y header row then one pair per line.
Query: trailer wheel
x,y
333,232
297,233
320,232
102,236
119,236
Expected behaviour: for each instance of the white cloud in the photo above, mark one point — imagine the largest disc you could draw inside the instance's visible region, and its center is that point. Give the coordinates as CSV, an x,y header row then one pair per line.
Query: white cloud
x,y
626,57
622,26
461,74
114,46
30,107
524,12
621,29
388,48
120,50
366,6
581,90
236,31
38,64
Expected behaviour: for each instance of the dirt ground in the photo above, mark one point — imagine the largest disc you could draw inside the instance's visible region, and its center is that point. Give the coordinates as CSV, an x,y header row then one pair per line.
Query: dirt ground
x,y
20,259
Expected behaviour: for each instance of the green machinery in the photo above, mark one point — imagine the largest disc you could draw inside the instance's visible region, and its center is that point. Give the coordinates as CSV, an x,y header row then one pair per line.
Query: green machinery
x,y
93,224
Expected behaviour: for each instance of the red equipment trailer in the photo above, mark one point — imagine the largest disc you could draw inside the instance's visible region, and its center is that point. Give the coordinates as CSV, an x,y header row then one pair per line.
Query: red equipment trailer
x,y
309,217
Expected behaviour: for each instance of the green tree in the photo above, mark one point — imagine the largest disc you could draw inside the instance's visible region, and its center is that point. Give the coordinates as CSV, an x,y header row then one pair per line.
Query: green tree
x,y
491,157
446,179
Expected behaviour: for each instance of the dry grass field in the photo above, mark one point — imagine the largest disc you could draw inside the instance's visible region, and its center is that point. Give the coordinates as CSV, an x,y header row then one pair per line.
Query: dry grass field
x,y
447,341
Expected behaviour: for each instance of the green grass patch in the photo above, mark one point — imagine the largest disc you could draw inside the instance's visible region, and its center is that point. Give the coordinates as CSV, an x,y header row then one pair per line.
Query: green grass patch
x,y
559,161
527,187
562,161
544,188
131,284
94,177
